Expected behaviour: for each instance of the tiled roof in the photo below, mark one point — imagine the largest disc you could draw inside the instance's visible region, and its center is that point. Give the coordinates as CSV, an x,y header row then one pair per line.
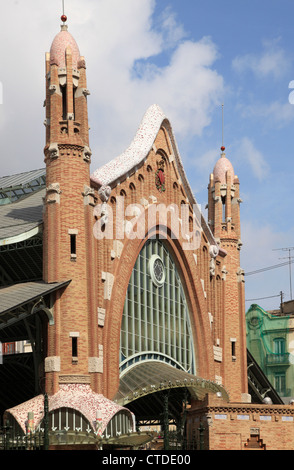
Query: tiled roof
x,y
221,167
57,52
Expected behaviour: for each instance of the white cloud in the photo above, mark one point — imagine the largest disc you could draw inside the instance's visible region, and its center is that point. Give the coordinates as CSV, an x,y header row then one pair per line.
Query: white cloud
x,y
172,32
245,152
187,88
260,243
206,162
272,114
122,44
273,61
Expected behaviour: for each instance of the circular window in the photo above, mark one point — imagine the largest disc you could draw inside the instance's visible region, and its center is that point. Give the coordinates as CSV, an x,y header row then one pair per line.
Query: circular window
x,y
157,271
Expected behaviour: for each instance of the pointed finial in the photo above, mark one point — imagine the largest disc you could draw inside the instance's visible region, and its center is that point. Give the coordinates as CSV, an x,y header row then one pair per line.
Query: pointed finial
x,y
63,16
223,148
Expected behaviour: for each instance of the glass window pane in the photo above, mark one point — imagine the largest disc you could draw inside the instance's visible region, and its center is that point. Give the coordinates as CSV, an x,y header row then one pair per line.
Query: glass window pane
x,y
156,318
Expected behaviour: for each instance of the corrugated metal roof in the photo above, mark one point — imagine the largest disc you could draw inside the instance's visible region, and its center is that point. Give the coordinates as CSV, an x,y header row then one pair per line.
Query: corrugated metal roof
x,y
21,216
14,296
21,178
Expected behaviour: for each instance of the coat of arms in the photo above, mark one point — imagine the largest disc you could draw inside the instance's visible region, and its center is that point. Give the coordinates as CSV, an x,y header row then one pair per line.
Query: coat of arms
x,y
160,177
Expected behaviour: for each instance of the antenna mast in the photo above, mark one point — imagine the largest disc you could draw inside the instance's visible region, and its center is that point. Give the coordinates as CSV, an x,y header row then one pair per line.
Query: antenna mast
x,y
289,249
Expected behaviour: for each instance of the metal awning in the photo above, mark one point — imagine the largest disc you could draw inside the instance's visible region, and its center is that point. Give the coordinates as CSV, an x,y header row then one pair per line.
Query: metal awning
x,y
13,298
148,377
143,386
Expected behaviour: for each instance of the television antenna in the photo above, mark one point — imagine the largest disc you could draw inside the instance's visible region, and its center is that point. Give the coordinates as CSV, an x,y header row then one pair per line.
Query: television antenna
x,y
289,257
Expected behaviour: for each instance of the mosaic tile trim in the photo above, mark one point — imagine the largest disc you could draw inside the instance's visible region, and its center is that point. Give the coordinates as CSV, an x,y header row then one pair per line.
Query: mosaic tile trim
x,y
135,153
79,397
139,149
57,52
220,170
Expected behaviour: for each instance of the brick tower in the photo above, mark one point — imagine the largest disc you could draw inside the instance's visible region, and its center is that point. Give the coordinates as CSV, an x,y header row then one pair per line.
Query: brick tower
x,y
224,220
68,241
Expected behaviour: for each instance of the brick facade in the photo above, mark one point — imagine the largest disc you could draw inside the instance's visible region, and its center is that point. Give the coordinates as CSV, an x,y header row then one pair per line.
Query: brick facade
x,y
88,314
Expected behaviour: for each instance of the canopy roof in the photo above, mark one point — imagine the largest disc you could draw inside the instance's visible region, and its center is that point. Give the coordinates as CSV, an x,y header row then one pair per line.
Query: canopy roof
x,y
21,219
79,397
18,295
143,385
150,376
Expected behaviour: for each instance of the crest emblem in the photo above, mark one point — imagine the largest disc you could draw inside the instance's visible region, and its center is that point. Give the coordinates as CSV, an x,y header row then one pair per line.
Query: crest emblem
x,y
160,176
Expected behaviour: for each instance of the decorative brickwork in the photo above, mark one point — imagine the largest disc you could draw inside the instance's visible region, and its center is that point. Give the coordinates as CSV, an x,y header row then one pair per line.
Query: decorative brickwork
x,y
145,178
94,229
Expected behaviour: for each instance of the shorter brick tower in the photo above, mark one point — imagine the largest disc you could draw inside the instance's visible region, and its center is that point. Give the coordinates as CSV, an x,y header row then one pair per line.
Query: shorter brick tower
x,y
224,220
68,241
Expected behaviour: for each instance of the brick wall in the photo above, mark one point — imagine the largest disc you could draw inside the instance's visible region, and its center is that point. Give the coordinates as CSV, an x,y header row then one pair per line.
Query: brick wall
x,y
242,426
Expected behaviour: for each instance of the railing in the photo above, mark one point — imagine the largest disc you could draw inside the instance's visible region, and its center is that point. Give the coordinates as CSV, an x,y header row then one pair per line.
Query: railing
x,y
277,359
20,441
10,439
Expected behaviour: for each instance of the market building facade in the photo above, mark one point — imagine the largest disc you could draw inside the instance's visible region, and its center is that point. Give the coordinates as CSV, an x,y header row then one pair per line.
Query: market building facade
x,y
136,310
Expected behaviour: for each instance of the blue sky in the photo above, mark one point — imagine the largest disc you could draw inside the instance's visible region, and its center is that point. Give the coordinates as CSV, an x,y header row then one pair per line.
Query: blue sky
x,y
189,57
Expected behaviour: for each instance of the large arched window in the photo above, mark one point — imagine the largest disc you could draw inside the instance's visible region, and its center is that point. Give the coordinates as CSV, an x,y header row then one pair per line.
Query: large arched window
x,y
156,322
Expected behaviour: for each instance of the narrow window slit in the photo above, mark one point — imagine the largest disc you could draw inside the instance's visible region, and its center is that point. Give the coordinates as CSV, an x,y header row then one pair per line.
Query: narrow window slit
x,y
74,347
73,245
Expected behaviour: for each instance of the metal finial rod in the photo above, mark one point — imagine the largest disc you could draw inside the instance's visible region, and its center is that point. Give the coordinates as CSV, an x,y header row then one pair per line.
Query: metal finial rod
x,y
222,147
63,16
222,124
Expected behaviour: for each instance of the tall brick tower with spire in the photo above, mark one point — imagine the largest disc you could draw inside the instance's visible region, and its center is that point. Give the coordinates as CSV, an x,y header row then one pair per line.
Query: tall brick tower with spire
x,y
224,220
68,241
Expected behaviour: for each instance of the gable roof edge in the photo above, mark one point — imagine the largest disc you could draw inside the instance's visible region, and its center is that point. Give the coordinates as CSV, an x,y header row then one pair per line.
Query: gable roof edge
x,y
119,167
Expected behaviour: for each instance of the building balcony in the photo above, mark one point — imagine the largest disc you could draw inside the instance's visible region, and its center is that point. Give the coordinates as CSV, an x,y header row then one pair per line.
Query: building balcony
x,y
278,359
